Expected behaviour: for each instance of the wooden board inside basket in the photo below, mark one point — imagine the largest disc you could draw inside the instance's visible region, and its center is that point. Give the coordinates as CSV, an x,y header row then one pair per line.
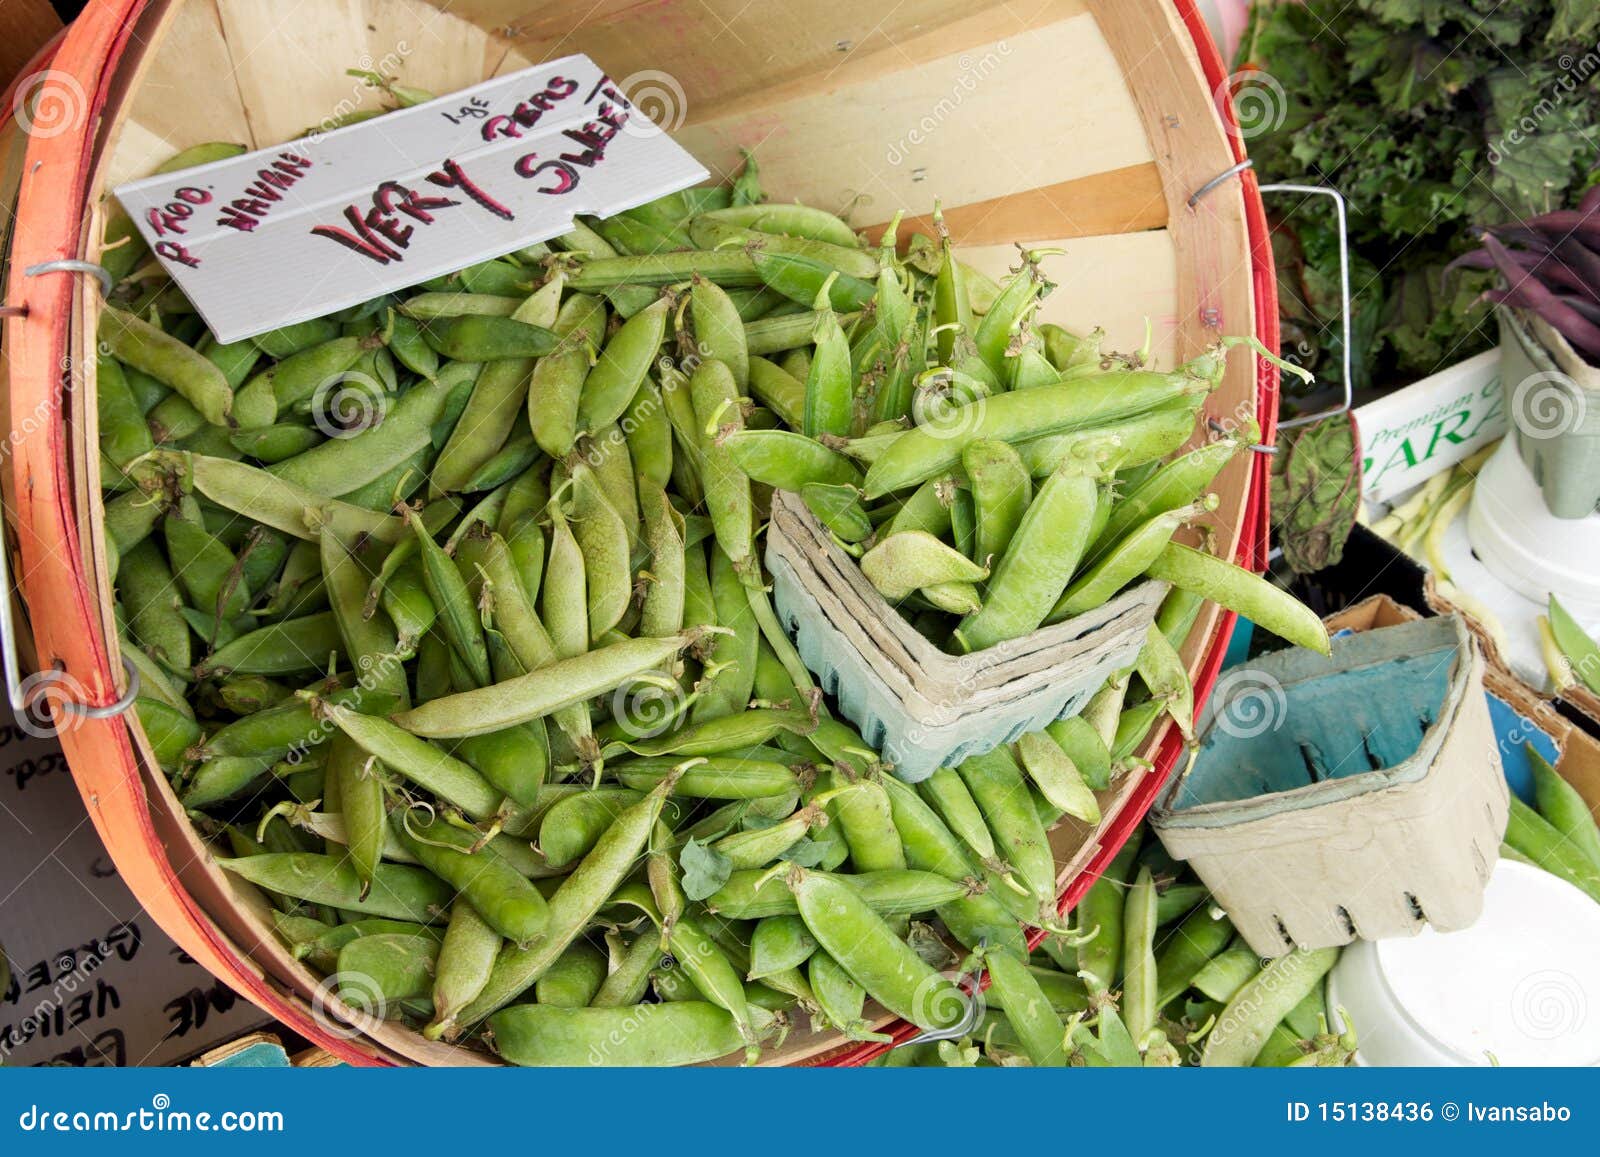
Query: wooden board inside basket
x,y
1128,105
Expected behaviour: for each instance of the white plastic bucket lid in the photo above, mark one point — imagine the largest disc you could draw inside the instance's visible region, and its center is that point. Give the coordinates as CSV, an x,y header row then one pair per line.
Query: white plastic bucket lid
x,y
1525,546
1522,985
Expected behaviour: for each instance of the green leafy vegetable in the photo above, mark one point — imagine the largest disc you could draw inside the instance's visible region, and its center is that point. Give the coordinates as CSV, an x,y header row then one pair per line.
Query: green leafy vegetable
x,y
704,869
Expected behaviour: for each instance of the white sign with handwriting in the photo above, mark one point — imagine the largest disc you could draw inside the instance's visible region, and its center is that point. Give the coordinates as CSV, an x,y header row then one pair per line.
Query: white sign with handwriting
x,y
319,224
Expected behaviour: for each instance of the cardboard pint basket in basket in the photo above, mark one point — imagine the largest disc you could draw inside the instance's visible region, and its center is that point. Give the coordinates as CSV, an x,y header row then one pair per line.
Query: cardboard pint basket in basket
x,y
1354,797
835,99
922,708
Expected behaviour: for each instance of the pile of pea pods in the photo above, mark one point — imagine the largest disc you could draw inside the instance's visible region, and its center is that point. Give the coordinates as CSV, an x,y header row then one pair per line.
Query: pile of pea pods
x,y
454,640
1152,975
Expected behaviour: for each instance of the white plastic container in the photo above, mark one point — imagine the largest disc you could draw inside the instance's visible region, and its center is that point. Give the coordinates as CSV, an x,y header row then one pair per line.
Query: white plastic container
x,y
1521,986
1526,547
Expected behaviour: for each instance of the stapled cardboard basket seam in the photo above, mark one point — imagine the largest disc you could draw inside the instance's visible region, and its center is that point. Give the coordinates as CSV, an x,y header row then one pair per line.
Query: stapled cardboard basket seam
x,y
1141,73
1357,797
923,708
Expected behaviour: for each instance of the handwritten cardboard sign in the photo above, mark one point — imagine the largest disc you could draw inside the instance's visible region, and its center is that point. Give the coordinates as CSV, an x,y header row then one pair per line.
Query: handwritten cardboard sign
x,y
93,981
300,230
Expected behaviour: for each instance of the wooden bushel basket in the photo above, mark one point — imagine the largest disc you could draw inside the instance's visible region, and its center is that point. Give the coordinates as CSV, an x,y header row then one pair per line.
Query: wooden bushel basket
x,y
1086,124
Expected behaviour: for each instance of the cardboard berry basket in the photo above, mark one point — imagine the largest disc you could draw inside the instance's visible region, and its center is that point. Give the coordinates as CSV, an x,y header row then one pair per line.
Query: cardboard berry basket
x,y
1083,124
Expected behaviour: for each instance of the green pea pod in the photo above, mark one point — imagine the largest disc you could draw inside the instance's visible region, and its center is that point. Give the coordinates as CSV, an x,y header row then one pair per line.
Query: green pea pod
x,y
566,597
838,508
859,940
211,576
789,219
558,378
786,460
399,891
929,451
678,1033
1575,645
728,268
540,692
451,779
755,895
1548,846
830,391
1100,916
1176,484
288,340
1178,614
1001,491
904,561
662,612
383,971
466,956
1082,745
718,330
574,825
572,906
1255,1010
1243,592
779,943
284,648
139,344
1199,938
1139,983
867,820
840,999
1167,679
123,433
630,978
1563,808
611,385
1038,563
927,510
360,787
649,435
574,979
804,277
485,338
778,390
602,535
515,761
711,777
459,620
171,733
1121,564
1018,294
1030,1012
497,397
505,899
1057,777
727,489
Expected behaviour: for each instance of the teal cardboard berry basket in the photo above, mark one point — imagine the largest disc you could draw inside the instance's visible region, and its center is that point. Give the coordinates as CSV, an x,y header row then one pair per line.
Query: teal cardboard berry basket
x,y
923,708
1357,797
